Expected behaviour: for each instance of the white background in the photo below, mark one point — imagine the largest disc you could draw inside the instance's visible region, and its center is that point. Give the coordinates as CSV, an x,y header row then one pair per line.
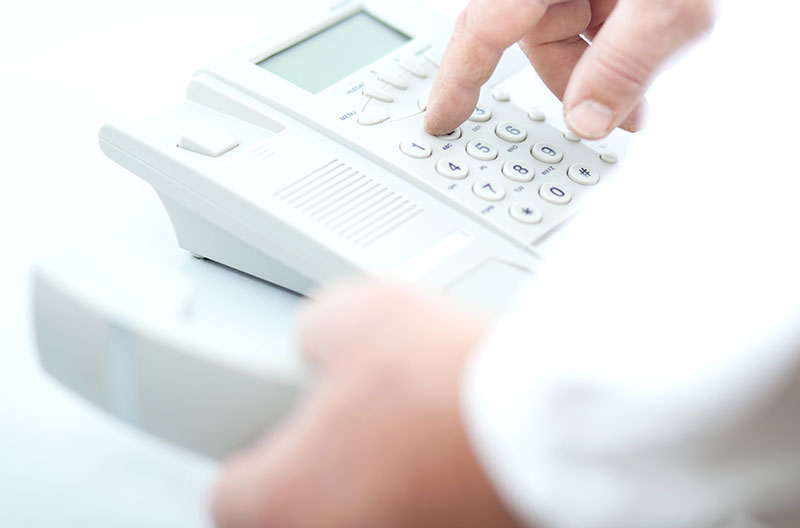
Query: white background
x,y
66,68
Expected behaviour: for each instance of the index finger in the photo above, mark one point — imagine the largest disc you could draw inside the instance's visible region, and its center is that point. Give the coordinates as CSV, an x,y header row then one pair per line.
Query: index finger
x,y
482,33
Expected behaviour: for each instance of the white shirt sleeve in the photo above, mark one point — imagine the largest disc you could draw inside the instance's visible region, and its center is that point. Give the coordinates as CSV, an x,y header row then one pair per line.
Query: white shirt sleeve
x,y
650,377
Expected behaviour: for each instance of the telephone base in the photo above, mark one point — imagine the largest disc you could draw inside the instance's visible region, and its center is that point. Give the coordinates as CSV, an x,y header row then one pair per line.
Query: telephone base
x,y
206,240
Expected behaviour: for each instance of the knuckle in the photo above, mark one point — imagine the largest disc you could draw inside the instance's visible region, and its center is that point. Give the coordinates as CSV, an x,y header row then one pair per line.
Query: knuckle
x,y
620,66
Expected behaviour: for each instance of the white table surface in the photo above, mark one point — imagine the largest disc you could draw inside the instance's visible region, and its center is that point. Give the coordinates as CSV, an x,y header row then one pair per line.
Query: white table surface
x,y
65,69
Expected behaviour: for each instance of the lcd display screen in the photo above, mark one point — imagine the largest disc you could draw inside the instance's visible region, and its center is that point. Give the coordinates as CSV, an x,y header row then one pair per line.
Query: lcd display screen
x,y
334,53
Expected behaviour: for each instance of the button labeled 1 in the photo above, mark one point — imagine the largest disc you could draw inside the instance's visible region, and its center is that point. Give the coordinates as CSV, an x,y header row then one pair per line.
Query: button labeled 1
x,y
416,148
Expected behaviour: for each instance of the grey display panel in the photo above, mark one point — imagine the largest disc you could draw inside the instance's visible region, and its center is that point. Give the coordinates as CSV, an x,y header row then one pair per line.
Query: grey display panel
x,y
334,53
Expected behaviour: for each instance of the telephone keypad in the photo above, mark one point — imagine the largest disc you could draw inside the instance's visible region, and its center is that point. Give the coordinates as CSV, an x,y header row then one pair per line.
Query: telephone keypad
x,y
509,170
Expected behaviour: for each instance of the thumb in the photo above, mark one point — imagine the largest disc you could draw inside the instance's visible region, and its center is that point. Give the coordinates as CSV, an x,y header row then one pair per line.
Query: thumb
x,y
611,78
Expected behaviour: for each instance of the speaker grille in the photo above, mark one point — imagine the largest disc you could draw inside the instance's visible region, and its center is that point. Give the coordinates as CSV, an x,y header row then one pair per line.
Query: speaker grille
x,y
349,203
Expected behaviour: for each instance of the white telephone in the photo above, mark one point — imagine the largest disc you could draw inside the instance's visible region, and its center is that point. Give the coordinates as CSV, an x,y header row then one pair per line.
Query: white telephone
x,y
302,157
298,159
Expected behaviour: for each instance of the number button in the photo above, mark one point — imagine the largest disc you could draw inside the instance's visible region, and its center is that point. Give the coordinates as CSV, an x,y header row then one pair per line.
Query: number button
x,y
583,174
494,192
452,168
510,131
518,171
481,114
452,136
525,213
416,148
482,150
547,153
555,194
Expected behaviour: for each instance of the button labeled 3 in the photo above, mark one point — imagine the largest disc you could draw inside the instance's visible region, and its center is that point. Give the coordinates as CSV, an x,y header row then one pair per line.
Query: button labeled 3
x,y
480,114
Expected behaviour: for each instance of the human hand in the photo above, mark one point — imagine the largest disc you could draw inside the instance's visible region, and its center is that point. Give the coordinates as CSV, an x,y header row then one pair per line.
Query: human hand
x,y
602,86
378,441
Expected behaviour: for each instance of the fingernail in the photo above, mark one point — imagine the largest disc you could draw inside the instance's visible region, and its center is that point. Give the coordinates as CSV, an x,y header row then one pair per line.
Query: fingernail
x,y
590,119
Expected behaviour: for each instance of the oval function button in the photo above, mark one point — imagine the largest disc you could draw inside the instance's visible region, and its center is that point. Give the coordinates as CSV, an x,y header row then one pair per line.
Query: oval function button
x,y
392,80
434,56
536,114
372,117
485,189
518,171
481,114
583,174
608,157
569,136
422,100
547,153
525,213
482,150
376,93
452,136
555,194
414,68
452,168
510,131
416,148
501,95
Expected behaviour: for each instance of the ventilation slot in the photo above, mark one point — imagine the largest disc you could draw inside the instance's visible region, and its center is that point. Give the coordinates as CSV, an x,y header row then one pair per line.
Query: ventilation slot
x,y
261,152
349,203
